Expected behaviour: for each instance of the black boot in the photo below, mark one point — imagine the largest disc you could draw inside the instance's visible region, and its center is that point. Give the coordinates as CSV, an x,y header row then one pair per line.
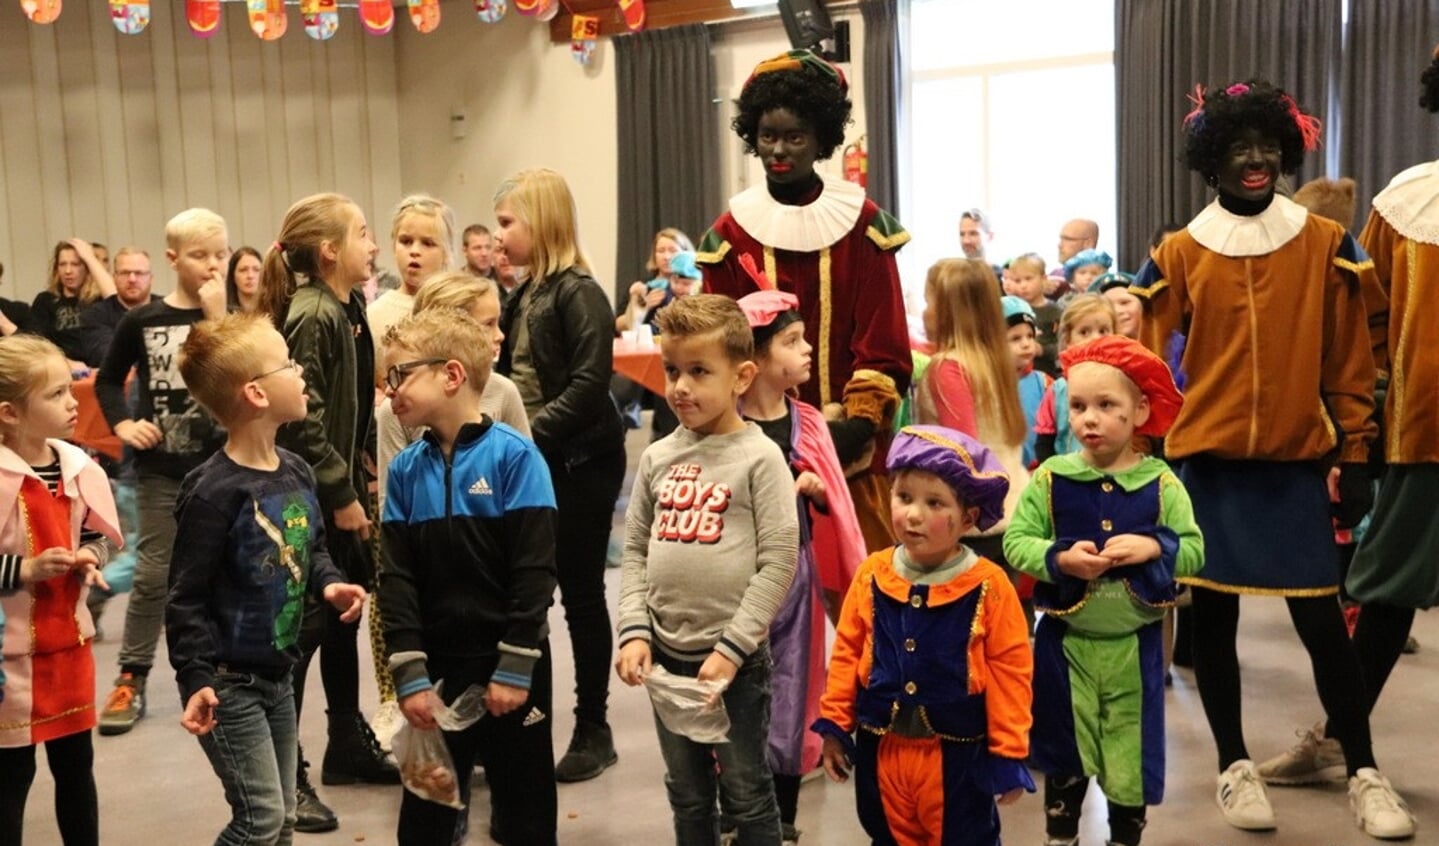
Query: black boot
x,y
311,815
354,755
592,749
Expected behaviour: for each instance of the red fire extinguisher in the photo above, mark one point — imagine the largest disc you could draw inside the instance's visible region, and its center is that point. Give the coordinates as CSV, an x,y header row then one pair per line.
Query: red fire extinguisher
x,y
856,163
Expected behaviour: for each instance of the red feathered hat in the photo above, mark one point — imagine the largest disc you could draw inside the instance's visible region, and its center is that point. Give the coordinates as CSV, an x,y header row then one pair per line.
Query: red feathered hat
x,y
1143,368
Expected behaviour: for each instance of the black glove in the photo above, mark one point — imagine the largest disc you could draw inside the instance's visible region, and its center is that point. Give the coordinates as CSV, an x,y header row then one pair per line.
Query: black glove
x,y
851,436
1356,495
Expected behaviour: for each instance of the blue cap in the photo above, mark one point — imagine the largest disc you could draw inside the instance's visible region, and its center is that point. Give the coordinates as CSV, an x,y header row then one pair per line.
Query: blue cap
x,y
1084,258
682,263
1113,279
1017,311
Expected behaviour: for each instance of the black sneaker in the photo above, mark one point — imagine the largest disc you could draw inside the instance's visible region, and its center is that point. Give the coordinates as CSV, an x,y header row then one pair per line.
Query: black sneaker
x,y
311,815
591,752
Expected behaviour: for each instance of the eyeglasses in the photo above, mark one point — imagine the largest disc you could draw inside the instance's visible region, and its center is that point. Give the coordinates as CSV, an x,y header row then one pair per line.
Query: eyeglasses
x,y
288,365
138,274
398,373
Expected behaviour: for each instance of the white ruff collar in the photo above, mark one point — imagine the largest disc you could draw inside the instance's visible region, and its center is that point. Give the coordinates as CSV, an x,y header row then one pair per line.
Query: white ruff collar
x,y
1411,203
1238,236
802,229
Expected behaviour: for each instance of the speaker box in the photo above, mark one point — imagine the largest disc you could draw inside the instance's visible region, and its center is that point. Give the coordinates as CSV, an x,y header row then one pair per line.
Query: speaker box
x,y
807,23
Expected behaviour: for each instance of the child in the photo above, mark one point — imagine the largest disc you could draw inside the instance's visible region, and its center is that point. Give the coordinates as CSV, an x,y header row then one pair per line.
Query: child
x,y
831,546
969,385
559,346
249,547
1027,283
423,234
929,682
469,576
1128,310
710,547
1104,587
324,240
170,433
1080,272
1032,383
60,529
670,280
1088,316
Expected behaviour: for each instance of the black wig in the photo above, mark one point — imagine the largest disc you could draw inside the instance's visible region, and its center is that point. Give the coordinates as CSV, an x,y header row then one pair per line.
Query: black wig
x,y
1221,113
813,97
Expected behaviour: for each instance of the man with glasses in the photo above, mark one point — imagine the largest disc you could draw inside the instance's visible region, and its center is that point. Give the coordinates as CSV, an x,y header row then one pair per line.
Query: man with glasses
x,y
133,280
1076,235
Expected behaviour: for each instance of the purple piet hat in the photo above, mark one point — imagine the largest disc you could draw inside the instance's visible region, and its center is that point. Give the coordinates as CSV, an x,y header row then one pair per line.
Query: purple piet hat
x,y
965,464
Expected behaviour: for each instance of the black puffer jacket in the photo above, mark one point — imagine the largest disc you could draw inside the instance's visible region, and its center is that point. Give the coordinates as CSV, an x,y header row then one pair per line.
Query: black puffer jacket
x,y
571,332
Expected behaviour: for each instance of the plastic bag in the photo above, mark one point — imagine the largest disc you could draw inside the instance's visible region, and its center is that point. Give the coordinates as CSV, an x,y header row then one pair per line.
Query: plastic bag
x,y
426,767
683,705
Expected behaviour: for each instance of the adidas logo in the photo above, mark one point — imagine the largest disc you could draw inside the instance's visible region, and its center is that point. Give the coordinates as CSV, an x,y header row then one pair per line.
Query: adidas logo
x,y
534,716
481,487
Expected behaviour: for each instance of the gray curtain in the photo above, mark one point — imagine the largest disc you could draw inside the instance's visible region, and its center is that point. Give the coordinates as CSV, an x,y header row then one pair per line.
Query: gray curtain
x,y
1384,130
886,22
1163,48
669,165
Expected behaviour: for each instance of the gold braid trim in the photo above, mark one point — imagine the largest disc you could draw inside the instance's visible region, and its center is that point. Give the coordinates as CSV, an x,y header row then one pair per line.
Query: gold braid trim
x,y
886,242
826,323
1258,591
1149,292
714,257
1353,267
22,724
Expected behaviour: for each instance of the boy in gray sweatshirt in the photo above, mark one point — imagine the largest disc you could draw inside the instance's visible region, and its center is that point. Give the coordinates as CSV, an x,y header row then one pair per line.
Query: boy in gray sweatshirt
x,y
711,537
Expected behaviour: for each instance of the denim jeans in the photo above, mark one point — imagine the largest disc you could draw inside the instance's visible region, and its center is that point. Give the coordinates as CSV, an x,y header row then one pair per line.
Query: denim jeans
x,y
252,748
742,781
145,615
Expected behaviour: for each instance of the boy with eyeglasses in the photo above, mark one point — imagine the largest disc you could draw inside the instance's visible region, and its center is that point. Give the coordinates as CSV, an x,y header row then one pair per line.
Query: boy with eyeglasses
x,y
469,536
249,546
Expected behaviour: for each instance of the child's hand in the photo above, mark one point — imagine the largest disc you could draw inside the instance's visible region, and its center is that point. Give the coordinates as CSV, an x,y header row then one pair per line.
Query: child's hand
x,y
346,598
199,716
55,561
637,293
836,763
1083,561
634,662
418,709
810,485
352,518
654,298
213,298
501,699
139,434
717,668
1009,798
1131,549
94,578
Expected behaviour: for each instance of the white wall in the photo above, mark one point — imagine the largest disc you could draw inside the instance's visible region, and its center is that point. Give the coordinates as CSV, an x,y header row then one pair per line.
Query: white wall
x,y
106,136
527,104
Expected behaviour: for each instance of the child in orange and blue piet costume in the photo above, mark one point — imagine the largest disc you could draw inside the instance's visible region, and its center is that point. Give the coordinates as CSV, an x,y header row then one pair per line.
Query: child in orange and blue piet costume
x,y
929,679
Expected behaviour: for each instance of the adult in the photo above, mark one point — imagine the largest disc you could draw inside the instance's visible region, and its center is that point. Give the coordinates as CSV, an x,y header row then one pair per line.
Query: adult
x,y
479,251
1075,236
832,247
1393,571
974,233
77,279
673,274
14,315
242,279
1265,413
133,280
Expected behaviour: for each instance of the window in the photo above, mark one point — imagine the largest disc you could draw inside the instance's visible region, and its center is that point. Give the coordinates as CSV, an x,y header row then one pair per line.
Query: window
x,y
1011,110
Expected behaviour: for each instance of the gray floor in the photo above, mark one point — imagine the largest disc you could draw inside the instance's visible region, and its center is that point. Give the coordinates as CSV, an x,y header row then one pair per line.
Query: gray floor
x,y
157,788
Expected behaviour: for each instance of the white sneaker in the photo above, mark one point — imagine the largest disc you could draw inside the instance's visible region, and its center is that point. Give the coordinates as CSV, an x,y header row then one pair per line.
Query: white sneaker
x,y
386,723
1242,798
1313,759
1377,808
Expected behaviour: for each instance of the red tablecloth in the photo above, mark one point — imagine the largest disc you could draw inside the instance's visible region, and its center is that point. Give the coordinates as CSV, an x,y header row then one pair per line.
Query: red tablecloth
x,y
91,430
641,364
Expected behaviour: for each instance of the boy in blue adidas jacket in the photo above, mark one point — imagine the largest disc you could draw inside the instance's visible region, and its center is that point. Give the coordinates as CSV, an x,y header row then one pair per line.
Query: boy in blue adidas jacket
x,y
468,577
